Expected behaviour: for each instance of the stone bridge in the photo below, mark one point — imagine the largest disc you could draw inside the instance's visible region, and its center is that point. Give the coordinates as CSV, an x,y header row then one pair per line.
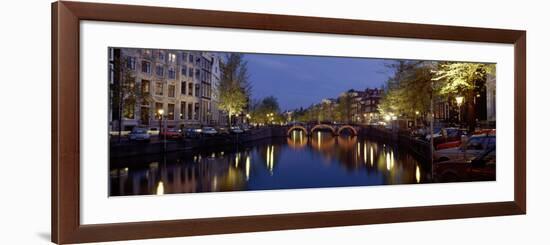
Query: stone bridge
x,y
335,129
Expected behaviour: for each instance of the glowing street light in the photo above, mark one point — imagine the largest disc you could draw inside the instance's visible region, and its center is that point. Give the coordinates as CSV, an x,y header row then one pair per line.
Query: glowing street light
x,y
459,100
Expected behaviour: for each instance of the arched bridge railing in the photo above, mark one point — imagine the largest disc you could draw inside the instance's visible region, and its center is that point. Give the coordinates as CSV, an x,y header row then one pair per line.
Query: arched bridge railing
x,y
336,130
297,127
323,126
347,127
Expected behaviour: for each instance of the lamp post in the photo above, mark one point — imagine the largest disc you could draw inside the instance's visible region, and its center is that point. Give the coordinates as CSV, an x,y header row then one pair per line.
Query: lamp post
x,y
459,100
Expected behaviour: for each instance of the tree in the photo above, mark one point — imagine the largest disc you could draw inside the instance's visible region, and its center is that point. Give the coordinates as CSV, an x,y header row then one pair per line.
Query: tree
x,y
343,109
408,89
462,79
234,89
125,94
266,110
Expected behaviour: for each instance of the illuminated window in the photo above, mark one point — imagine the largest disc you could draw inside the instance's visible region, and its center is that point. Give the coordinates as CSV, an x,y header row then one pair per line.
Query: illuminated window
x,y
171,108
171,57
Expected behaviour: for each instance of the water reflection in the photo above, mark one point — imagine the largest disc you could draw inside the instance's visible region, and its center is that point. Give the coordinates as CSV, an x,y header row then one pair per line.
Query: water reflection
x,y
299,161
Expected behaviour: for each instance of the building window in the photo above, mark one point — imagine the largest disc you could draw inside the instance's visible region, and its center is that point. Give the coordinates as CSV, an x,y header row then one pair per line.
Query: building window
x,y
190,72
198,61
158,106
129,111
190,88
160,71
131,63
196,111
144,115
161,56
171,109
184,70
197,73
171,57
145,87
190,58
182,110
184,57
159,87
190,111
172,91
171,73
183,88
197,90
146,67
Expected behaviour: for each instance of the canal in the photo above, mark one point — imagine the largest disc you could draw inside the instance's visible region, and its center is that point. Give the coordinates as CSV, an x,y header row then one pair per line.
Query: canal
x,y
298,161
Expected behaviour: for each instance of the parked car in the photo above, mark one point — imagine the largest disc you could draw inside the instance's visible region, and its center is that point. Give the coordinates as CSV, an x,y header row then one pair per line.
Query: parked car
x,y
450,144
139,134
171,133
192,132
245,128
473,147
222,130
209,131
236,130
457,143
445,135
481,168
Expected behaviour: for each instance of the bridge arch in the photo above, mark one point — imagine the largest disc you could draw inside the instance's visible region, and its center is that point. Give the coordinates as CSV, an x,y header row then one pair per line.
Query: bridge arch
x,y
342,128
323,126
296,127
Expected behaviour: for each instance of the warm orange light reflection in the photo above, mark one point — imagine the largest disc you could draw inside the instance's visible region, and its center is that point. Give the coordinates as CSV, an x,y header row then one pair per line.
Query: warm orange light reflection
x,y
160,188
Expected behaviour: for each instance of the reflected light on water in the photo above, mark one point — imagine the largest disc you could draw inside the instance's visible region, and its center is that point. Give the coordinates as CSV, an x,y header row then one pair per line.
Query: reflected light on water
x,y
388,163
319,139
417,174
325,155
269,158
365,152
160,188
391,154
371,156
247,167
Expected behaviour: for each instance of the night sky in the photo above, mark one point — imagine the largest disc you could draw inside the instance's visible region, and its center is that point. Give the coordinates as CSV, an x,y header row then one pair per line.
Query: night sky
x,y
300,81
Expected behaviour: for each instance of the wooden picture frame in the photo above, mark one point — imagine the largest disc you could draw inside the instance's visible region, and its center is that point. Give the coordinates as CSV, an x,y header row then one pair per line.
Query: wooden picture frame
x,y
66,226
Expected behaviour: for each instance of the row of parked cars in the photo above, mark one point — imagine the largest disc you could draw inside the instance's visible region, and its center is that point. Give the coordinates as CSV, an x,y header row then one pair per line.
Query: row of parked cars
x,y
459,156
144,134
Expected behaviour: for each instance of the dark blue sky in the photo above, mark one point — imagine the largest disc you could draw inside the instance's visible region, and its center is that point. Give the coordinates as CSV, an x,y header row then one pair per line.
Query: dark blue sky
x,y
304,80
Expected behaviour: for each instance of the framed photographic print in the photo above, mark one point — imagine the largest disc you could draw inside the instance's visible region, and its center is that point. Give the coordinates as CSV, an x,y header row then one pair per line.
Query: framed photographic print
x,y
177,122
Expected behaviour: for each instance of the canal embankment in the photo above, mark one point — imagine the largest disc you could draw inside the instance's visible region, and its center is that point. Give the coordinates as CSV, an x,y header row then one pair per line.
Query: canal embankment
x,y
129,149
418,148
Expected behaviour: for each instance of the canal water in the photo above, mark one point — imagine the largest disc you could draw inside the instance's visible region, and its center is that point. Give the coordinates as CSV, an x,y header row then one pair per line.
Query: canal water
x,y
321,160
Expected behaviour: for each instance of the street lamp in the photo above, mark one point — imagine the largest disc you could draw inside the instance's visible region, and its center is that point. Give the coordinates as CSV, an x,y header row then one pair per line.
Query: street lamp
x,y
459,100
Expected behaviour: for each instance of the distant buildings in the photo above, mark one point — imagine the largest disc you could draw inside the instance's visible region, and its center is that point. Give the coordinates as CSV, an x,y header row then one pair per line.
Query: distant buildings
x,y
364,106
180,84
